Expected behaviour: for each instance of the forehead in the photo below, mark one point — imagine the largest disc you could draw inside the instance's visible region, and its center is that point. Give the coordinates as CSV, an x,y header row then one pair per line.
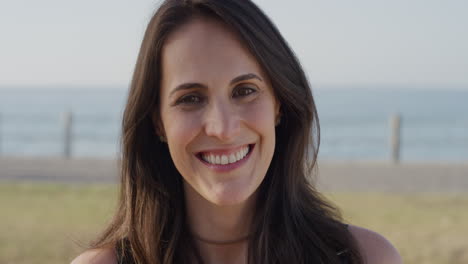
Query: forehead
x,y
205,50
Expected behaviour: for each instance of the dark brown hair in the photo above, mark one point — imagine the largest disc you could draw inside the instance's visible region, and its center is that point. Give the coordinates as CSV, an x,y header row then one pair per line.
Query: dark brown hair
x,y
292,224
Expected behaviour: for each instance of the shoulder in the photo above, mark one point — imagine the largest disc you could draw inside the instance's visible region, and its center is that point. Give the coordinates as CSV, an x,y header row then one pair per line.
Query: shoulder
x,y
96,256
375,248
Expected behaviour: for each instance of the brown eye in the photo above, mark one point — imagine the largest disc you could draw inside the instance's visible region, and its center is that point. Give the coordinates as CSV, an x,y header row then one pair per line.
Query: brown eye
x,y
191,99
243,91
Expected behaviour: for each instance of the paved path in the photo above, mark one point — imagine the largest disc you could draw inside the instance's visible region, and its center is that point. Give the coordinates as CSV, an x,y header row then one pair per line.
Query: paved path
x,y
340,176
58,170
409,177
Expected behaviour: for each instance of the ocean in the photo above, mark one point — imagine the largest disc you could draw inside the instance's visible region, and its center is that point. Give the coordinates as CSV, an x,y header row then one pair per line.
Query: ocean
x,y
354,122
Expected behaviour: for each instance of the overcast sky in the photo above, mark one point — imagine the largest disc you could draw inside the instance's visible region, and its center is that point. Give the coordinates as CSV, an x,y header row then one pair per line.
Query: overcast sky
x,y
362,42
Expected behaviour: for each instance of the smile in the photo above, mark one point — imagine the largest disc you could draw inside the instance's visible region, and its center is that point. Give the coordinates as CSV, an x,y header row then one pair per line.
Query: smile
x,y
226,160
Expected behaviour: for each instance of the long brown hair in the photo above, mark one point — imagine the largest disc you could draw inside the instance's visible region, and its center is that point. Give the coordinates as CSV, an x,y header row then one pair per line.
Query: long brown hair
x,y
293,223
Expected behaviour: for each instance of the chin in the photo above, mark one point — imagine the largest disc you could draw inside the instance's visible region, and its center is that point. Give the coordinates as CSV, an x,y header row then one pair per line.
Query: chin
x,y
229,196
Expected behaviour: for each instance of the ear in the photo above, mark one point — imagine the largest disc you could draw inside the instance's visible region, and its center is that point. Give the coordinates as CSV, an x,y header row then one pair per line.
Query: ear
x,y
277,108
277,112
158,125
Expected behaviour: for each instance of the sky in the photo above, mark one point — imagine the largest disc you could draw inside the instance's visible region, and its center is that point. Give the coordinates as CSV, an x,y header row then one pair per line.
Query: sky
x,y
375,43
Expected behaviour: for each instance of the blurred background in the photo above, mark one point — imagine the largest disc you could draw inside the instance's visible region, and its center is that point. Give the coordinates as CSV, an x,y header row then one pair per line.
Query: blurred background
x,y
390,80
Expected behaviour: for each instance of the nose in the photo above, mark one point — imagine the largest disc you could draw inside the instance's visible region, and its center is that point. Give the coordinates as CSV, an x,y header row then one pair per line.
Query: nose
x,y
222,121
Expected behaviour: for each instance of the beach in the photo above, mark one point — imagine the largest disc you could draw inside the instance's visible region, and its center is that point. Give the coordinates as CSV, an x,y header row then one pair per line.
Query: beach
x,y
353,176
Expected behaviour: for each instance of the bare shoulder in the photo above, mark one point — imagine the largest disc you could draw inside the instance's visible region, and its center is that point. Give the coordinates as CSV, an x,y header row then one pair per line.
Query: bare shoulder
x,y
374,247
96,256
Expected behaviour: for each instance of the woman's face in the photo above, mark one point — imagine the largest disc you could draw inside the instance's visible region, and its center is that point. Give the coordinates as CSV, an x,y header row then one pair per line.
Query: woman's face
x,y
217,112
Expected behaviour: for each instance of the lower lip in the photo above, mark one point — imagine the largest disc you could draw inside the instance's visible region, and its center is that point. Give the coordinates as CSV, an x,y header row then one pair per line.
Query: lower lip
x,y
230,166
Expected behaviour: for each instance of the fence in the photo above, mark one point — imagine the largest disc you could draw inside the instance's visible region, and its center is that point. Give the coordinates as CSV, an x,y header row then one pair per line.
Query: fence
x,y
67,136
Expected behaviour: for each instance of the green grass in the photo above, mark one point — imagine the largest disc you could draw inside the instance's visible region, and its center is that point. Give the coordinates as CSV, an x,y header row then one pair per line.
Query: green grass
x,y
425,228
51,223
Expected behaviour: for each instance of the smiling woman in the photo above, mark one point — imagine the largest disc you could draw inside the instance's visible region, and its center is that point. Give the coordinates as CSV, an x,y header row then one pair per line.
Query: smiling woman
x,y
217,130
222,107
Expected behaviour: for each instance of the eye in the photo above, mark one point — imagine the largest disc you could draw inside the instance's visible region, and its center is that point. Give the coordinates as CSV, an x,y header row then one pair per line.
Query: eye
x,y
243,91
191,99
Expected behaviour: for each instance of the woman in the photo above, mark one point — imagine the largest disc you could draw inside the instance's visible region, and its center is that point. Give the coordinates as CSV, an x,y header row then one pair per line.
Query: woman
x,y
216,135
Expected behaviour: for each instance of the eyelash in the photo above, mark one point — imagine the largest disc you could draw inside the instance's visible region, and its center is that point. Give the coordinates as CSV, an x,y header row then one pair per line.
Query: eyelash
x,y
245,88
186,99
195,99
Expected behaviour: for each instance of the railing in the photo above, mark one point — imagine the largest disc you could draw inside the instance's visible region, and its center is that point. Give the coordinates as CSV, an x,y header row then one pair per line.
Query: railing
x,y
1,133
67,121
67,136
395,127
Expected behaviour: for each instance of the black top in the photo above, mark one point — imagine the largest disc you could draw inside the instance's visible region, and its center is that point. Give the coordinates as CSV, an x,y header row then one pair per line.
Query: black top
x,y
124,257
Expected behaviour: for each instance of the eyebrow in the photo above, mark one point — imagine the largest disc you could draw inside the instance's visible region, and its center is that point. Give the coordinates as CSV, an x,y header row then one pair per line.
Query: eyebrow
x,y
245,77
240,78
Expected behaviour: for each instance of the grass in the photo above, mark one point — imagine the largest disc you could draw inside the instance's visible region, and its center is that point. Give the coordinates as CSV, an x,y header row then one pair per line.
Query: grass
x,y
425,228
51,223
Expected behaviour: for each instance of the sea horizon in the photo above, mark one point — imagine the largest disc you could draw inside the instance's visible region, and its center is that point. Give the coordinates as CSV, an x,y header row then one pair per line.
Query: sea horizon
x,y
354,122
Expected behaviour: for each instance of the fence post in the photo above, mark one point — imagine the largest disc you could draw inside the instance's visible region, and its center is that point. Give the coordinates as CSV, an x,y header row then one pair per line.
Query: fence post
x,y
395,126
67,120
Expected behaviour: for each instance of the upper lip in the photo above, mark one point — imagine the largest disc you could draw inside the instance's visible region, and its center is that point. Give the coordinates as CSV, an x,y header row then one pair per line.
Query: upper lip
x,y
223,151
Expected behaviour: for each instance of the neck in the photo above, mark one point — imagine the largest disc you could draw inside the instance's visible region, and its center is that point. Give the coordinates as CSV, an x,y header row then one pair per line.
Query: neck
x,y
218,222
221,232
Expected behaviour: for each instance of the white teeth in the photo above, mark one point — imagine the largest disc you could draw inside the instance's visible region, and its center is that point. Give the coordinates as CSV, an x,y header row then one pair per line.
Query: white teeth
x,y
226,159
232,158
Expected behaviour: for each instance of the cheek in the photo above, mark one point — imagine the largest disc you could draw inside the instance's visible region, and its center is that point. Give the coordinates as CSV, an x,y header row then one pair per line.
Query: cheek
x,y
261,119
260,116
180,129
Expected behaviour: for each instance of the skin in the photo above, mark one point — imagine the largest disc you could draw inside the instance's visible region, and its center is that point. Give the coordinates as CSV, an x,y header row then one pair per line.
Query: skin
x,y
219,115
